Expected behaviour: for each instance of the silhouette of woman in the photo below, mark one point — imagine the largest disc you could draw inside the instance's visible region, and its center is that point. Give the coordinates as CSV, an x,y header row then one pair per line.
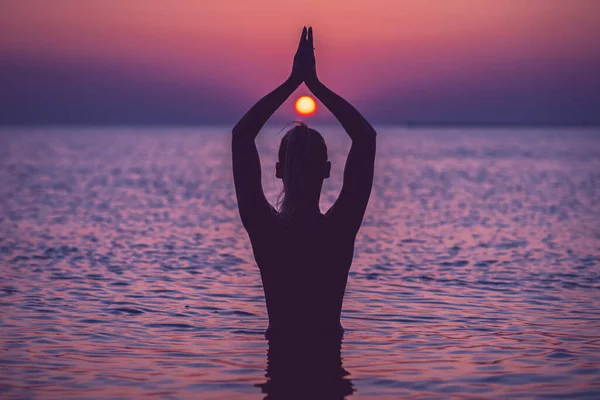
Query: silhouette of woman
x,y
303,255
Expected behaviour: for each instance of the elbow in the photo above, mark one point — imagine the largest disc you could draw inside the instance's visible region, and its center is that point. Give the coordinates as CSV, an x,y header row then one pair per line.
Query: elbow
x,y
366,132
371,132
239,138
367,143
368,135
242,134
237,134
372,140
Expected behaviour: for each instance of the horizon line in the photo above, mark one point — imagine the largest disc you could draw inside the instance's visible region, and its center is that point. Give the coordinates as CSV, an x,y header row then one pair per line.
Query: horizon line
x,y
465,124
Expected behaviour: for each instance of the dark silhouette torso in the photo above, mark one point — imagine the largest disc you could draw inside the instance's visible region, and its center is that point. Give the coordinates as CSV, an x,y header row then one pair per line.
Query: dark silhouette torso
x,y
304,266
304,262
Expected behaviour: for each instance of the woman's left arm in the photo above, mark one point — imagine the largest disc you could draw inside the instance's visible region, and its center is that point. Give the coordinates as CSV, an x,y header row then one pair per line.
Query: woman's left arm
x,y
252,203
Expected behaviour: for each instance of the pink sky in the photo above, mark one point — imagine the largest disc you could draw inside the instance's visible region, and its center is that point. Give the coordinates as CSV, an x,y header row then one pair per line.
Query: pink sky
x,y
363,48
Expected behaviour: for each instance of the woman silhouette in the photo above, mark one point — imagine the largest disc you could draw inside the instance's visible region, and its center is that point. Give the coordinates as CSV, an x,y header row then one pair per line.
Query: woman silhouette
x,y
303,255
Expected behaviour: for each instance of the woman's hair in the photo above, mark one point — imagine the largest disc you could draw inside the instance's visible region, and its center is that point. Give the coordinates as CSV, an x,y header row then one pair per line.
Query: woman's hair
x,y
302,155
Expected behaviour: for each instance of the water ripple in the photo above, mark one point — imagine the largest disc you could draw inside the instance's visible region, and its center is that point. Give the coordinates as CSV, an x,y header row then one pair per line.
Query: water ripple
x,y
126,272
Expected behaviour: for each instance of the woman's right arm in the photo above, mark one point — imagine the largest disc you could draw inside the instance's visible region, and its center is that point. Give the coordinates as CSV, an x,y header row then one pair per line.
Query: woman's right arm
x,y
349,209
252,203
355,125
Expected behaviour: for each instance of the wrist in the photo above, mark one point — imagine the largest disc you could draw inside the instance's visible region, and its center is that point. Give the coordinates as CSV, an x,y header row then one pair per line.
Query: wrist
x,y
313,83
294,81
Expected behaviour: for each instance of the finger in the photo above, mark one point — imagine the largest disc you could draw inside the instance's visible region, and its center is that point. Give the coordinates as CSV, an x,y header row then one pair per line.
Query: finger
x,y
303,37
310,37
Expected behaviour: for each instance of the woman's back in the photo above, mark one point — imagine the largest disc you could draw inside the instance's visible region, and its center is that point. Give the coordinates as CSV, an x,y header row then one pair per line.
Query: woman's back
x,y
304,264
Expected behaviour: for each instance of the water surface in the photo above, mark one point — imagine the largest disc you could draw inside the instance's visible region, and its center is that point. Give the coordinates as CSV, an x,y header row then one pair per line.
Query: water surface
x,y
126,273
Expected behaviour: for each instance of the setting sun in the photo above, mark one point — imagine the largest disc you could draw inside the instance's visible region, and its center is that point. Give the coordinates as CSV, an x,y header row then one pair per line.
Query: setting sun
x,y
306,106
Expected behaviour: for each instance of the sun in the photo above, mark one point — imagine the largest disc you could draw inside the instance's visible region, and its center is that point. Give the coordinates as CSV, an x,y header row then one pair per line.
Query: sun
x,y
306,106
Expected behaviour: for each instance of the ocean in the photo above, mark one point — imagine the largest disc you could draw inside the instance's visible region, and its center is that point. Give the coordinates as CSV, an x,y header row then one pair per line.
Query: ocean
x,y
126,273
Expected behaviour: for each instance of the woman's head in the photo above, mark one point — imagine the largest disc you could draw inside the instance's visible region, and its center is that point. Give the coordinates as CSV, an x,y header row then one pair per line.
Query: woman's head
x,y
302,166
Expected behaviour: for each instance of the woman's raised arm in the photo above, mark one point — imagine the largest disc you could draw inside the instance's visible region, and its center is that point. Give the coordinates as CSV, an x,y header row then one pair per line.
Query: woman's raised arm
x,y
350,206
252,203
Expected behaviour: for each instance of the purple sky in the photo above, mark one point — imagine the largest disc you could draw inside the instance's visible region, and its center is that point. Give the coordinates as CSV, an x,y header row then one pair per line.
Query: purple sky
x,y
189,62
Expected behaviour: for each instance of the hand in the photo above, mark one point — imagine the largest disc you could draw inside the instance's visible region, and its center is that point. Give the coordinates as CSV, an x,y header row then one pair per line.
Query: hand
x,y
304,67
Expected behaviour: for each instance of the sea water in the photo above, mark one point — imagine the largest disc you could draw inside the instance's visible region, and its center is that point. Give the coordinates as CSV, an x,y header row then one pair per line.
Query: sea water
x,y
125,271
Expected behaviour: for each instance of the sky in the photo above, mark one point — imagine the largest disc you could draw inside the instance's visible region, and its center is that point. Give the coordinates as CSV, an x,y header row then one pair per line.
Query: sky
x,y
207,61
